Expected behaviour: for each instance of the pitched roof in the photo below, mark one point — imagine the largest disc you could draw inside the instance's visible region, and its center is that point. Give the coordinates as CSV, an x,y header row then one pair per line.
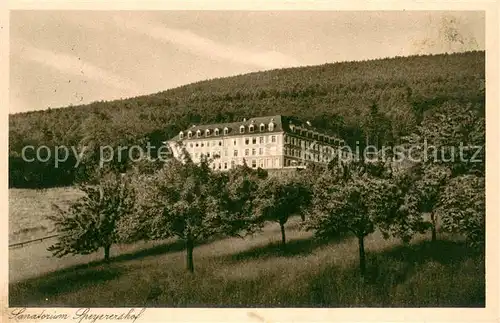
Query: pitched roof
x,y
234,127
281,123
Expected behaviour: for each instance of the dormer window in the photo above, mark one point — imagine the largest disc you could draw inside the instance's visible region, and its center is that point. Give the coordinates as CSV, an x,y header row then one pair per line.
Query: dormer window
x,y
242,129
271,126
190,134
250,128
262,127
198,133
226,131
207,132
181,135
216,131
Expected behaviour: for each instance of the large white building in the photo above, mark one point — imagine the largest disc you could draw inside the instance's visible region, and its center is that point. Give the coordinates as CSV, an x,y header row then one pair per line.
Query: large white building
x,y
273,142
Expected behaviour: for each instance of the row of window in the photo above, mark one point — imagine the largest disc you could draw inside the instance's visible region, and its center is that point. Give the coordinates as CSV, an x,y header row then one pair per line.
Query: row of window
x,y
308,143
253,140
309,156
247,152
299,152
216,131
261,140
316,136
254,163
205,144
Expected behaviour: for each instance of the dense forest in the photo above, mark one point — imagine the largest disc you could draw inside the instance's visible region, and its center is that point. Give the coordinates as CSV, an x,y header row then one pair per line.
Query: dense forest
x,y
377,101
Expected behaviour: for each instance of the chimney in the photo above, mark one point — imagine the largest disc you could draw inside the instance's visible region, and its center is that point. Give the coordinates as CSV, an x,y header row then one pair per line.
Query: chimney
x,y
244,119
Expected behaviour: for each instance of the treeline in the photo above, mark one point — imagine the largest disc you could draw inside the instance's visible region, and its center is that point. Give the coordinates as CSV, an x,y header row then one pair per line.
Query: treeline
x,y
194,203
341,97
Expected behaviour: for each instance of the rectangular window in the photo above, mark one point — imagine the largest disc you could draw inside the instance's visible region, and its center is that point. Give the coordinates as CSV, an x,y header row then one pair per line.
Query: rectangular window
x,y
261,151
219,166
225,165
261,140
246,152
225,153
235,153
247,141
254,163
253,151
234,142
261,163
273,138
254,140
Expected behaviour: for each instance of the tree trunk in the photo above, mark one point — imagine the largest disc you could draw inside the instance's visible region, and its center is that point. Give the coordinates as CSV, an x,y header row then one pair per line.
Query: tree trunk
x,y
362,260
106,252
302,217
433,219
283,238
189,255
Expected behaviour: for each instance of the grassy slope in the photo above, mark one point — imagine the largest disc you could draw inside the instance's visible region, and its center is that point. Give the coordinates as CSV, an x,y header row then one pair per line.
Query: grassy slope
x,y
253,272
28,209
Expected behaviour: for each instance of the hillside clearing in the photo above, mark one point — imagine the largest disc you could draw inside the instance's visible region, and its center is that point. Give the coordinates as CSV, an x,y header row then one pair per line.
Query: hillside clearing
x,y
29,208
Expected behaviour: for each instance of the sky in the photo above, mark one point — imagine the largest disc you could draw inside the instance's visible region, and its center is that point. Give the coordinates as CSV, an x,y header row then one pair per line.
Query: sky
x,y
61,58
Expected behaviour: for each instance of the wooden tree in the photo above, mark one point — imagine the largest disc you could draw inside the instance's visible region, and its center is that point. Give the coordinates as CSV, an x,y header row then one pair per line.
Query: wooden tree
x,y
350,198
184,201
281,197
91,222
239,198
399,216
462,208
424,195
193,203
453,139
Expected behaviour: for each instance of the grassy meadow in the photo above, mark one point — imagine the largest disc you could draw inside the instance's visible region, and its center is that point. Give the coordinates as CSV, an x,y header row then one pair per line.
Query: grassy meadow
x,y
255,272
28,209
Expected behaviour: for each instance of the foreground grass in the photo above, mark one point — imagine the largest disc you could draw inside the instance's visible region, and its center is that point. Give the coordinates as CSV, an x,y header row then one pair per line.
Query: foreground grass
x,y
255,272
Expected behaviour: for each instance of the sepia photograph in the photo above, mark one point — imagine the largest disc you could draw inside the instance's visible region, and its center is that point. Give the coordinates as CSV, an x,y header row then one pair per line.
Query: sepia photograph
x,y
246,159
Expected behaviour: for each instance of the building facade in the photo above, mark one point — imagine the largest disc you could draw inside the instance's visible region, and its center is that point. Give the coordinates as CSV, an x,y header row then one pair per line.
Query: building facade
x,y
273,142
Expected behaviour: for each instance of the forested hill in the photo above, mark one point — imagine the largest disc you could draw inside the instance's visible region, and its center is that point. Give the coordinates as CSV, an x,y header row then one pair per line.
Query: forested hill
x,y
381,99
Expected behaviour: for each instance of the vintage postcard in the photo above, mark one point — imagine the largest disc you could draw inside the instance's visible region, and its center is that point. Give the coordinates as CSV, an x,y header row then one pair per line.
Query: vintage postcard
x,y
251,161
